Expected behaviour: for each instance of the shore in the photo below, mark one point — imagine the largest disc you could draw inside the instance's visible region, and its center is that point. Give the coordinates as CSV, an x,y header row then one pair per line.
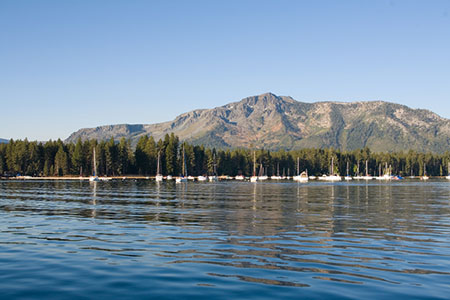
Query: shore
x,y
138,177
75,177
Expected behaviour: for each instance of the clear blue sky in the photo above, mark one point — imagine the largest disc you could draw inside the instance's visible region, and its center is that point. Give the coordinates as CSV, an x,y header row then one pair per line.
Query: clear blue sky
x,y
65,65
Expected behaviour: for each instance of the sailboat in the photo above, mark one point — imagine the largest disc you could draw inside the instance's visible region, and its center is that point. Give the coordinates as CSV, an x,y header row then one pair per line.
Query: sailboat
x,y
239,177
94,176
183,177
358,175
254,178
386,175
367,176
332,176
301,177
348,177
202,178
387,172
424,177
262,173
214,176
448,171
159,176
277,177
412,174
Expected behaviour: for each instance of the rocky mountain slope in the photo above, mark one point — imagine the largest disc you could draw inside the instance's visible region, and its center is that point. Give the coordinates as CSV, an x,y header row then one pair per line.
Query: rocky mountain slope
x,y
275,122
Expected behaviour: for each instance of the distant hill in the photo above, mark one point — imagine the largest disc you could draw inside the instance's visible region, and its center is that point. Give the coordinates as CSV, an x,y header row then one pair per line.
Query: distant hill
x,y
3,141
275,122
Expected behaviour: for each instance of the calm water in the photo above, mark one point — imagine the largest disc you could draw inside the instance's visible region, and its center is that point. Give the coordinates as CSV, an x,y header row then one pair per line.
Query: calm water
x,y
138,239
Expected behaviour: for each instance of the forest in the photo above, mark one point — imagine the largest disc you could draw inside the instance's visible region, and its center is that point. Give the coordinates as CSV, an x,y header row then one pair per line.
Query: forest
x,y
119,158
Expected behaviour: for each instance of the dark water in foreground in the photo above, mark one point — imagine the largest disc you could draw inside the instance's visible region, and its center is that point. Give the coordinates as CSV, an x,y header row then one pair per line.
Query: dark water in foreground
x,y
224,240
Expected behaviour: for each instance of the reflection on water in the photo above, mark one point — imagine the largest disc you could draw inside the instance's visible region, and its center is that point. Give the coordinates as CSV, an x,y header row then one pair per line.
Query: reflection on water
x,y
235,239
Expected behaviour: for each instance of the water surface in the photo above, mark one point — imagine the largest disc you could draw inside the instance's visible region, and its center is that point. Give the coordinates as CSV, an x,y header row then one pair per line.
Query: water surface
x,y
141,239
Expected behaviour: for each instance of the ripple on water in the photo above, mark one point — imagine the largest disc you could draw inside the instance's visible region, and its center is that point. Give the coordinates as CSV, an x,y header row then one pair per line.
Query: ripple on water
x,y
224,240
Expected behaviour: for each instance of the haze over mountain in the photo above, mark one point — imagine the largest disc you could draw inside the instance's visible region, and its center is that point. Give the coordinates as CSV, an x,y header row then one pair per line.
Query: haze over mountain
x,y
275,122
3,141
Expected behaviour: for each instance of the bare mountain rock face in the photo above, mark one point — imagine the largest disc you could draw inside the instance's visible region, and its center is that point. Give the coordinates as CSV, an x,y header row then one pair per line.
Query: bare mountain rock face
x,y
274,122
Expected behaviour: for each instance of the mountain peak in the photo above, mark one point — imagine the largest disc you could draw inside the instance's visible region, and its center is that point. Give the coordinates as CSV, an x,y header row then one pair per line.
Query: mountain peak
x,y
263,98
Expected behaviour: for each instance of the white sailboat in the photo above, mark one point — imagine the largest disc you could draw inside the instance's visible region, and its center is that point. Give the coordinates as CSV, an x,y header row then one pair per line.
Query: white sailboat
x,y
348,177
159,176
332,176
262,174
386,175
183,177
303,176
358,175
214,177
276,177
94,176
424,177
367,176
254,178
448,171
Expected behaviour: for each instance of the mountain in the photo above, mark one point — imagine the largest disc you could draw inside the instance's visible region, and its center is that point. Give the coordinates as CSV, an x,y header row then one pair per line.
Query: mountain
x,y
3,141
275,122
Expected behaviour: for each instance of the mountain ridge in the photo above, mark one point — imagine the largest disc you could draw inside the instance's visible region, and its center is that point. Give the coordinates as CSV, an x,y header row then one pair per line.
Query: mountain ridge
x,y
275,122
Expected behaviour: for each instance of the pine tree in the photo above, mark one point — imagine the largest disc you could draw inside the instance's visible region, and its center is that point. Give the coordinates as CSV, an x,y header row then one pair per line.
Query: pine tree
x,y
141,156
151,154
78,158
171,157
61,162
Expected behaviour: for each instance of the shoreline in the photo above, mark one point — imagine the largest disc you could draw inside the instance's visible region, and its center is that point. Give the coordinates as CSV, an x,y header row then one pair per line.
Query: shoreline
x,y
75,177
137,177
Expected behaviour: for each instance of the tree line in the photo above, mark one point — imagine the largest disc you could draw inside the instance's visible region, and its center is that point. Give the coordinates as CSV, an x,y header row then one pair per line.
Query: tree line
x,y
118,158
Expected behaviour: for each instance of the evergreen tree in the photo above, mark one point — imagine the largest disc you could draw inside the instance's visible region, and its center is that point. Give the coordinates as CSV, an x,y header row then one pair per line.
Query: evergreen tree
x,y
151,155
78,158
171,157
61,162
141,156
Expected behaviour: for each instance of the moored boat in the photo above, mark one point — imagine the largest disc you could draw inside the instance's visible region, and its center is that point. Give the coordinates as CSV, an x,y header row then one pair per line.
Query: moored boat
x,y
159,176
348,177
94,176
183,177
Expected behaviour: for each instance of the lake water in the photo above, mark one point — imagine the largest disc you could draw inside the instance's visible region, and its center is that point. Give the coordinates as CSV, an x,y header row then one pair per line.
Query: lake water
x,y
140,239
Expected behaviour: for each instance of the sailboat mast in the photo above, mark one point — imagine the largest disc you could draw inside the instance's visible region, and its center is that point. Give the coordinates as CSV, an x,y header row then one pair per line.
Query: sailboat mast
x,y
214,164
254,163
332,166
95,164
158,171
183,166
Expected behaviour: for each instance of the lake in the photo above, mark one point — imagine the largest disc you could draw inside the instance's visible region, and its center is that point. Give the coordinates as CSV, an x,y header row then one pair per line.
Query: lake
x,y
225,240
